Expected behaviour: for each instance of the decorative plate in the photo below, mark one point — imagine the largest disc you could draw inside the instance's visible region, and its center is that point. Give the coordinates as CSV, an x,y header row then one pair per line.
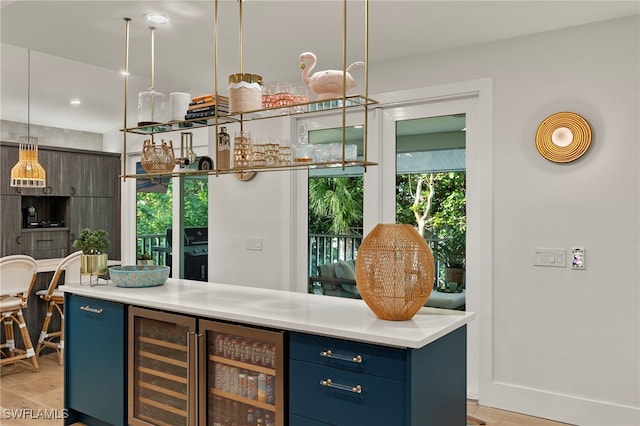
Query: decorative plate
x,y
563,137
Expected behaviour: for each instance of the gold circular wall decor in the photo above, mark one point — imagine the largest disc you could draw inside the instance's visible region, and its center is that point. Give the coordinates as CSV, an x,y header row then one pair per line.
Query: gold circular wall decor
x,y
245,176
563,137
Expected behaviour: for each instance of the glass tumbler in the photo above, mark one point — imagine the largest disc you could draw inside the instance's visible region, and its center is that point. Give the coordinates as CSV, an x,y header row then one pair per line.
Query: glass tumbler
x,y
242,156
269,96
300,96
284,95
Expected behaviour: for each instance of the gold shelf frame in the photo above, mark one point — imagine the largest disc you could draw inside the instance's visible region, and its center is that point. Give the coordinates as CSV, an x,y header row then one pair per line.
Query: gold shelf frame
x,y
326,106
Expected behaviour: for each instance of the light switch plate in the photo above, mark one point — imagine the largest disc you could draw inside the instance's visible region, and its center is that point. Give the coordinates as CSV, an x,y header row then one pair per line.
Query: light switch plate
x,y
254,243
549,257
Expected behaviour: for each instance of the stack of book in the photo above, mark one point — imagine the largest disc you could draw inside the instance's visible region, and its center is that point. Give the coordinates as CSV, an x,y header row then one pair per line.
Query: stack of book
x,y
206,106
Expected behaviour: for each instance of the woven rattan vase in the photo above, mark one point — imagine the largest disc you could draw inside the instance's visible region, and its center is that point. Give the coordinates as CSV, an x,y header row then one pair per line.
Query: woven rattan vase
x,y
394,271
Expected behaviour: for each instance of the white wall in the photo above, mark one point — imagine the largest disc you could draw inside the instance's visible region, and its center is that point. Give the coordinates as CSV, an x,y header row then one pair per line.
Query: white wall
x,y
559,343
555,343
259,208
10,131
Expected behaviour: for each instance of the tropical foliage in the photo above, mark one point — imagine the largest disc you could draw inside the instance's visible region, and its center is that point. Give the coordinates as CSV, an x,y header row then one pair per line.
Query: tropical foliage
x,y
439,200
435,203
153,212
335,205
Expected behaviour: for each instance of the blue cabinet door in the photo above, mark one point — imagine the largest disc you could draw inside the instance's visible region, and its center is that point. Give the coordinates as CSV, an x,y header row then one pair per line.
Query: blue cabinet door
x,y
95,373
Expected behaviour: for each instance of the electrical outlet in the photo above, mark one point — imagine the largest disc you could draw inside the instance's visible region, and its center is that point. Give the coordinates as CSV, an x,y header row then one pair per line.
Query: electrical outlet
x,y
578,261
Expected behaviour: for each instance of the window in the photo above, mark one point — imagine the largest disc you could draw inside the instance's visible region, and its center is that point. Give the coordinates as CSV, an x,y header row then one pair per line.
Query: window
x,y
431,191
154,224
335,206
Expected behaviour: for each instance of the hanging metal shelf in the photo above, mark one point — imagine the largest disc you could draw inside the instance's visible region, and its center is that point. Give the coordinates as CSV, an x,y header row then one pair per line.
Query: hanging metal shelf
x,y
313,107
281,167
342,104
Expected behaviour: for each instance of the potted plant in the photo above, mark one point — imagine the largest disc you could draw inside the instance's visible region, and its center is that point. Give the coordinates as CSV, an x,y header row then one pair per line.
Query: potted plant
x,y
451,250
93,245
144,259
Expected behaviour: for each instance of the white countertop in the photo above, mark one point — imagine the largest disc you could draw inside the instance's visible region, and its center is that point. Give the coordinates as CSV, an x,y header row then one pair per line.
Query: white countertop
x,y
338,317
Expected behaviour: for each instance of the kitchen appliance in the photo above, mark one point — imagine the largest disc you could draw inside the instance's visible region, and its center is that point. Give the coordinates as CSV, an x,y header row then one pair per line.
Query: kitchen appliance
x,y
196,253
29,216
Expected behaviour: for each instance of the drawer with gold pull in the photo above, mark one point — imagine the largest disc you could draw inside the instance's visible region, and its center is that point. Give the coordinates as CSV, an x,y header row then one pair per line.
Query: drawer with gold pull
x,y
353,356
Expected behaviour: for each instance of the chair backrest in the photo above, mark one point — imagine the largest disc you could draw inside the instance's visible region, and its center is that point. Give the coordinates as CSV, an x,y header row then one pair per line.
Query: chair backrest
x,y
17,275
71,267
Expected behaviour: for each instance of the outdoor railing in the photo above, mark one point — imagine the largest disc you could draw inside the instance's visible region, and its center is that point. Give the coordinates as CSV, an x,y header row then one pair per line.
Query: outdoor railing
x,y
326,248
323,248
153,245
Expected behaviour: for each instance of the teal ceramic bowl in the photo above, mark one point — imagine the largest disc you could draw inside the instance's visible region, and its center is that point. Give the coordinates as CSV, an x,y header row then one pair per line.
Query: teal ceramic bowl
x,y
137,276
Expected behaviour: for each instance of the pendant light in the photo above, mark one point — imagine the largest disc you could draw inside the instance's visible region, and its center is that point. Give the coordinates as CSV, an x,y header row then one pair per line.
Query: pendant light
x,y
151,103
28,173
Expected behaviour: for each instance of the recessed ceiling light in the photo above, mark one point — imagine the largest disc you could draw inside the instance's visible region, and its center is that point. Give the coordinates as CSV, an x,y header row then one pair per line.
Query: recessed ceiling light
x,y
157,18
124,73
75,101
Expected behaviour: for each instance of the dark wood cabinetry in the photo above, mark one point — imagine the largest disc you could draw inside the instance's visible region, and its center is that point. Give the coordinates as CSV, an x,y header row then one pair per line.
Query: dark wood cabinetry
x,y
41,244
10,224
100,209
82,191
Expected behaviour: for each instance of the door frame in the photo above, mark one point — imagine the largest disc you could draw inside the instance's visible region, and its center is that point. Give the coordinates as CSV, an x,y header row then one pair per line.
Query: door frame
x,y
475,99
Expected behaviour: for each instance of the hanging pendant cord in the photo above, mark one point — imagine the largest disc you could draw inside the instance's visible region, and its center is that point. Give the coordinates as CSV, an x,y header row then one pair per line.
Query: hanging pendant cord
x,y
153,84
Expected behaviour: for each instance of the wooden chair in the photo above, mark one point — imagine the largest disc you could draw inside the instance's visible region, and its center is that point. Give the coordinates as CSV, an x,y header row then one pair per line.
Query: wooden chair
x,y
17,276
70,265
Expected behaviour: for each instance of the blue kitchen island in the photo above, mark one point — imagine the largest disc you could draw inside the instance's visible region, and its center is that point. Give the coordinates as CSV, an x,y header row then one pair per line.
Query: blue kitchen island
x,y
336,363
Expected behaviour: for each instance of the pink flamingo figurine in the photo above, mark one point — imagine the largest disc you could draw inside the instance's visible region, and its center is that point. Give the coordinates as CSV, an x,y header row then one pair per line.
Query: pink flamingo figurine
x,y
326,84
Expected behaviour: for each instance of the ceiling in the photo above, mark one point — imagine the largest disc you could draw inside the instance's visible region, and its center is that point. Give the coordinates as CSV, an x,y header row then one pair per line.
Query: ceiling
x,y
78,47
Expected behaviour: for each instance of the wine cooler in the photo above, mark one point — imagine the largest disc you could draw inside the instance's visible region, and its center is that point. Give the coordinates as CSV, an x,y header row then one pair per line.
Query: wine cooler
x,y
244,384
189,371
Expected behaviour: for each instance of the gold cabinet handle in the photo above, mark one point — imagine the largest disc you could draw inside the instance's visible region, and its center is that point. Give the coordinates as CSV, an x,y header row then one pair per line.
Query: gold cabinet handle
x,y
329,384
92,310
329,354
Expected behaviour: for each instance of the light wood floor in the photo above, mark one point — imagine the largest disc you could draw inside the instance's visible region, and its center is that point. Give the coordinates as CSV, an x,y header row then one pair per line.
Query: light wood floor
x,y
39,395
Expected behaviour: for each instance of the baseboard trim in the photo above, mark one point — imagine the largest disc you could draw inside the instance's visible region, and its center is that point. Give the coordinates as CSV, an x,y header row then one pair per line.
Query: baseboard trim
x,y
558,407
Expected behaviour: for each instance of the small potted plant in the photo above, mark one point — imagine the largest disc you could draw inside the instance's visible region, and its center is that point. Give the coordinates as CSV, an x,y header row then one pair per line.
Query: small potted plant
x,y
144,259
451,250
94,245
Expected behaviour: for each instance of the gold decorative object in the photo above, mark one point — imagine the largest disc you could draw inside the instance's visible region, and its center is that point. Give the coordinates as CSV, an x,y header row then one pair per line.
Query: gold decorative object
x,y
28,173
242,151
563,137
245,176
94,265
157,158
394,271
